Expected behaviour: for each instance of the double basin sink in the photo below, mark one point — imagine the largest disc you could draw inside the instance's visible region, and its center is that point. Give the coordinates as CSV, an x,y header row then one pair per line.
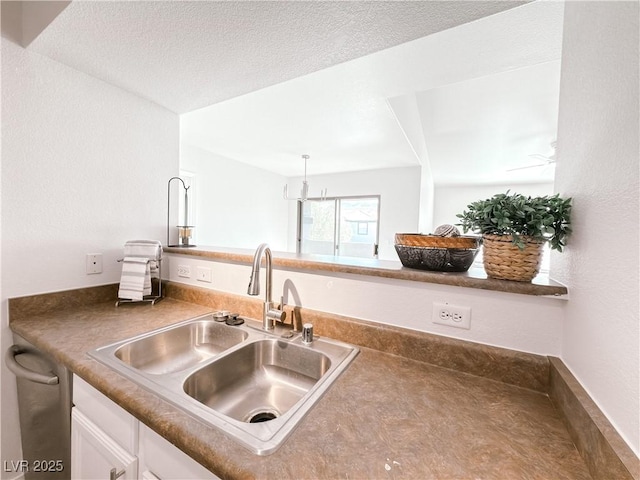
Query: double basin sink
x,y
253,385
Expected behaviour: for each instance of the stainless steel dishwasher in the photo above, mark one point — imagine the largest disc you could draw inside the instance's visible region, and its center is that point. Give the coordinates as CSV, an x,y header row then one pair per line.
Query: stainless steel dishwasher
x,y
44,403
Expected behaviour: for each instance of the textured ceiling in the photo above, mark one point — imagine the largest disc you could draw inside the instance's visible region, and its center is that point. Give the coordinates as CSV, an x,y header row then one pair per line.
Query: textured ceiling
x,y
356,84
187,55
472,102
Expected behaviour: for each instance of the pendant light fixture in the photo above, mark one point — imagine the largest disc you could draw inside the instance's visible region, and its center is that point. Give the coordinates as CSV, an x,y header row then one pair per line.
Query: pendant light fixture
x,y
304,192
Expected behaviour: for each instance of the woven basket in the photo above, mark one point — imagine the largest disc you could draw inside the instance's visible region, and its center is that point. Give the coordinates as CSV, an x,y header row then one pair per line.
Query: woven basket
x,y
505,261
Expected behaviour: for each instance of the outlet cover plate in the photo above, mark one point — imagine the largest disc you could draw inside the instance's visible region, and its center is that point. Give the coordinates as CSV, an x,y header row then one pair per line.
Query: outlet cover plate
x,y
184,271
452,315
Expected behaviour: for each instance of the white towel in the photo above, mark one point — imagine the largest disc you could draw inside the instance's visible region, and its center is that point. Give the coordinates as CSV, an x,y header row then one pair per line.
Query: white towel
x,y
135,281
150,249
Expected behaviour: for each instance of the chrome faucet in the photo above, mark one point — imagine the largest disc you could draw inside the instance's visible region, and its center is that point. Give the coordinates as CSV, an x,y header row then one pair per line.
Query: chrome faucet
x,y
269,313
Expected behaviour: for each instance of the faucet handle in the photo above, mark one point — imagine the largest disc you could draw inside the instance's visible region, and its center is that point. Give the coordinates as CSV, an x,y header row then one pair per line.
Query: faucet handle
x,y
276,314
283,316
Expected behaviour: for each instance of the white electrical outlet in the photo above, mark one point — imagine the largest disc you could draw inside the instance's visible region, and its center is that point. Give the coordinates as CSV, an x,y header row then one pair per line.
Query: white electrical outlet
x,y
452,315
184,271
203,274
94,263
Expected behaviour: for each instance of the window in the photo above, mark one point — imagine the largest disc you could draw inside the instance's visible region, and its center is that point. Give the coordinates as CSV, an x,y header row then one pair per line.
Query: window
x,y
345,226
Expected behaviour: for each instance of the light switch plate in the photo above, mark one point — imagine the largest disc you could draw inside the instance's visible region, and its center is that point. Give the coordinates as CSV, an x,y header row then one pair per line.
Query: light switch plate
x,y
203,274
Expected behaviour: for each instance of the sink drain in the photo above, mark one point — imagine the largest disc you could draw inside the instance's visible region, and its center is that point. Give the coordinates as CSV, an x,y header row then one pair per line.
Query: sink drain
x,y
262,417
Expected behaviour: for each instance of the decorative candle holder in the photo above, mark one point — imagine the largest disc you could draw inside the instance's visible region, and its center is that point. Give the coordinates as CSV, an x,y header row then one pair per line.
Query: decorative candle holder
x,y
185,232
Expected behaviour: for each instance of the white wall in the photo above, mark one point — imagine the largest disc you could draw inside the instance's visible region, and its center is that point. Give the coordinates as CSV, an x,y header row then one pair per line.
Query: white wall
x,y
242,206
399,190
453,199
426,222
237,204
84,169
598,166
519,322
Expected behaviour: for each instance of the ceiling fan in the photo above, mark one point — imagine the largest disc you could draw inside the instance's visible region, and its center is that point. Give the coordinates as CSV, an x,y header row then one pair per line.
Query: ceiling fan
x,y
544,160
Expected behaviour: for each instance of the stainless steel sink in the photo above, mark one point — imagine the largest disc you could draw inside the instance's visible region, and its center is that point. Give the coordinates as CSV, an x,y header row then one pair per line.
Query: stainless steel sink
x,y
253,385
258,382
177,348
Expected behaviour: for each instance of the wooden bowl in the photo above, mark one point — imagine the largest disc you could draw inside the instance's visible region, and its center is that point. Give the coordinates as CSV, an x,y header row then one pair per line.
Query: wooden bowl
x,y
436,253
436,241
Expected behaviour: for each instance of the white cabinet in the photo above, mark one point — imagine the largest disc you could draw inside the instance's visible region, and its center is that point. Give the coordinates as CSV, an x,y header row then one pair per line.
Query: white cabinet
x,y
164,461
105,437
95,455
116,422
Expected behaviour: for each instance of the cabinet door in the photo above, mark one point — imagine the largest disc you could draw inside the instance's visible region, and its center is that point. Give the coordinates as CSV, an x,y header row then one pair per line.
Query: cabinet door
x,y
106,415
166,461
95,455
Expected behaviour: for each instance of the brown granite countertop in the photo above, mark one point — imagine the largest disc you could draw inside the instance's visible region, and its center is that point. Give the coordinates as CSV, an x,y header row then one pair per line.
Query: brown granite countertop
x,y
473,278
386,417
